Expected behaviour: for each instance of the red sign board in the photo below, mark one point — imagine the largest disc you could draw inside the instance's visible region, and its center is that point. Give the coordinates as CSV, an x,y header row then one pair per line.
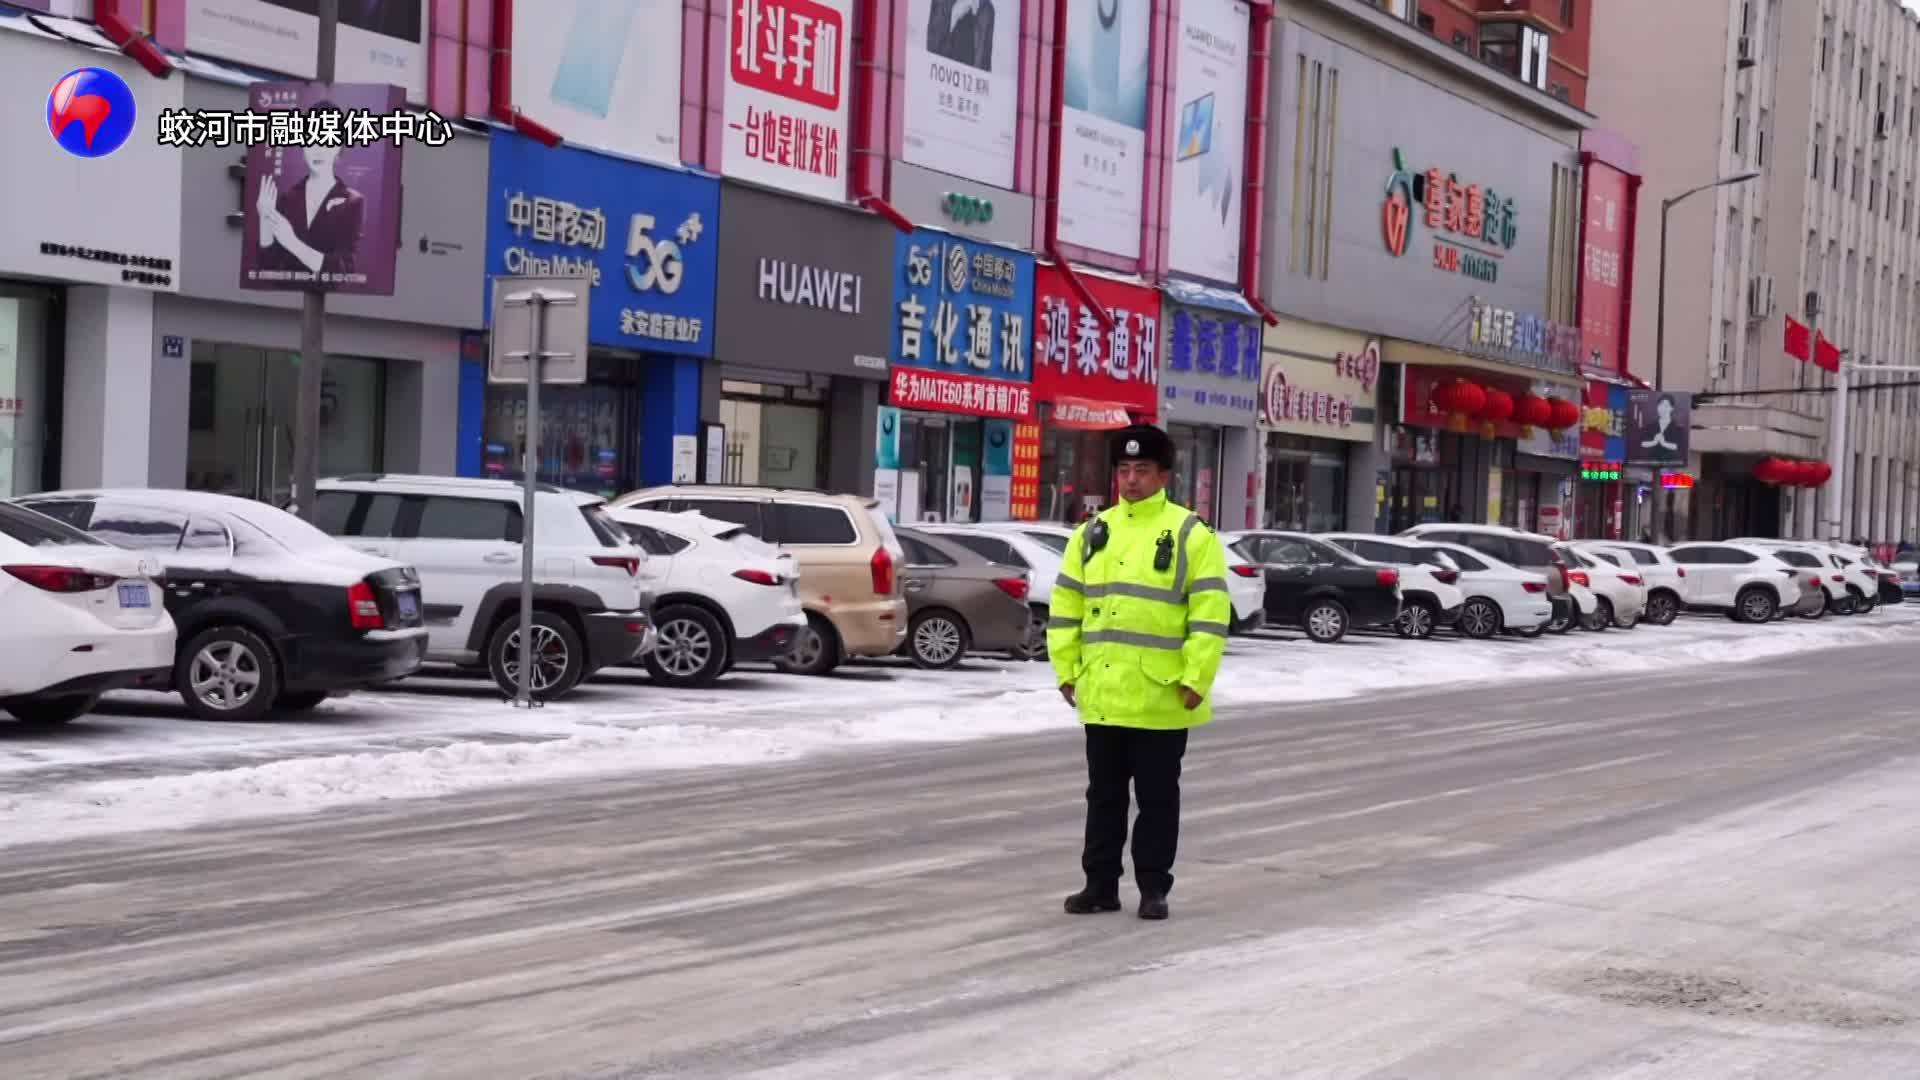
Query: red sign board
x,y
1075,355
1605,242
941,391
1026,472
790,48
1085,414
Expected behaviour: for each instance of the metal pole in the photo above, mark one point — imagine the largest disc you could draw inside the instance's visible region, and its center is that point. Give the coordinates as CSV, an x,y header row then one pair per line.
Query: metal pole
x,y
537,302
1662,533
313,321
1837,449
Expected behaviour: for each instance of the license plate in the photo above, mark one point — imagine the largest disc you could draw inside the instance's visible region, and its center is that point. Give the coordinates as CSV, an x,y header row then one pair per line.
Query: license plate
x,y
135,595
409,606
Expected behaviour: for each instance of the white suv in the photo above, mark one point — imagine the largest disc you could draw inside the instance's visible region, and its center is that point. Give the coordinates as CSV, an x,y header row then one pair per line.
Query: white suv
x,y
1665,579
463,536
1745,582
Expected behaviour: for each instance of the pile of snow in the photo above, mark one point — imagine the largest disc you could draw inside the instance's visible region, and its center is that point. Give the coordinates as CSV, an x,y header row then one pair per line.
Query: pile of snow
x,y
375,752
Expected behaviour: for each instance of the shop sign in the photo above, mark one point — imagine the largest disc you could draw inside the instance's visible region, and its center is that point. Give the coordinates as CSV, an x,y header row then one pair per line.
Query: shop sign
x,y
1657,427
1603,260
785,100
1526,338
1676,481
1332,399
12,406
1601,472
1075,355
1473,226
1080,414
961,306
1212,371
1025,497
1545,442
914,388
1603,423
643,236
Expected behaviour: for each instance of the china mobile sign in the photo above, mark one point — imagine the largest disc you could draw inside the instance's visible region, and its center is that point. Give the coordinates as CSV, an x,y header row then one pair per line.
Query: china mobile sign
x,y
786,100
1473,226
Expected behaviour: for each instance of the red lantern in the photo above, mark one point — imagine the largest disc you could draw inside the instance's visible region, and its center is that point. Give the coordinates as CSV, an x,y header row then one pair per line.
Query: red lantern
x,y
1770,471
1818,473
1468,397
1498,408
1562,414
1795,474
1532,410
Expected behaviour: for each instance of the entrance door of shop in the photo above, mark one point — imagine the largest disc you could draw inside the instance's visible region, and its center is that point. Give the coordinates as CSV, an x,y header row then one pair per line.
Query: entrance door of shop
x,y
240,406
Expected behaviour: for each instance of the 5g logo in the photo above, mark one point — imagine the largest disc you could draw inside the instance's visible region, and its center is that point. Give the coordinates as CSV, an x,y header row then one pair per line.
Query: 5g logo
x,y
654,263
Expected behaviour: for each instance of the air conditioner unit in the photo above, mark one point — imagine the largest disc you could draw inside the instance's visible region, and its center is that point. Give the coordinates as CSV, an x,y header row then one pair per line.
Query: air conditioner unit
x,y
1812,305
1760,296
1747,55
1880,126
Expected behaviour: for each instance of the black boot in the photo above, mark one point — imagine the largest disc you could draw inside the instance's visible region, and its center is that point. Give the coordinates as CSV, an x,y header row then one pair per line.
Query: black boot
x,y
1153,906
1094,899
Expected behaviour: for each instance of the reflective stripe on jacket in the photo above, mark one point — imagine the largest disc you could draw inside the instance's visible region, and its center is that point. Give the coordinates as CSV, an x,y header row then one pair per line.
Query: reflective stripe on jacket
x,y
1129,636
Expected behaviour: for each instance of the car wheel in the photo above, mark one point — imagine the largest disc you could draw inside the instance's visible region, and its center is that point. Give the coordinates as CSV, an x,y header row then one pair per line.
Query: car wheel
x,y
1844,605
1663,608
815,650
1600,618
228,673
937,639
1826,605
1480,618
1561,624
691,648
1530,632
1756,605
559,661
1417,621
299,700
1864,605
47,712
1035,647
1325,621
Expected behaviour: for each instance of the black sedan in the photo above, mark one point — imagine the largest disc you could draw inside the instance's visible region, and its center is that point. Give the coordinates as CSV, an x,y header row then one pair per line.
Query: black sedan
x,y
1318,587
274,615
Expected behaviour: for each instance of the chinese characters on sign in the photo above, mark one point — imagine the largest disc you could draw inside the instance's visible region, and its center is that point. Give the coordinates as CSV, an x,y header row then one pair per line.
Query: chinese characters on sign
x,y
1075,354
322,127
961,307
1026,472
1363,366
1528,338
1465,213
941,392
1212,371
1283,403
786,112
1603,269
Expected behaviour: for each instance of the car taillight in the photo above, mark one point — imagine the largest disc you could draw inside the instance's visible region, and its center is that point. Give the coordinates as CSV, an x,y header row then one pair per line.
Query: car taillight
x,y
1631,579
882,572
758,577
1534,586
1681,570
1839,579
1245,570
1387,577
629,563
1579,577
363,608
62,579
1012,586
1447,577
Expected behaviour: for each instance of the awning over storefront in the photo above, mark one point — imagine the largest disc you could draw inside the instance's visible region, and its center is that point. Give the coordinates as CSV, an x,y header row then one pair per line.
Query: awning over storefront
x,y
1413,353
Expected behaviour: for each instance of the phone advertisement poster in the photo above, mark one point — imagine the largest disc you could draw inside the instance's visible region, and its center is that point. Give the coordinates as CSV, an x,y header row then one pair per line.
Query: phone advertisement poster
x,y
1209,139
962,87
602,73
378,41
787,94
1103,153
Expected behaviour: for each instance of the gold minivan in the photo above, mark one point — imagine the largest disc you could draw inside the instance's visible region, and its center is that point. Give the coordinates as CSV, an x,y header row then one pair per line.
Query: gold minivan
x,y
848,556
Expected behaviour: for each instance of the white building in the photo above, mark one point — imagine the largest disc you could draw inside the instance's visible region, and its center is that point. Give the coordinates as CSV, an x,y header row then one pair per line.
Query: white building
x,y
1822,99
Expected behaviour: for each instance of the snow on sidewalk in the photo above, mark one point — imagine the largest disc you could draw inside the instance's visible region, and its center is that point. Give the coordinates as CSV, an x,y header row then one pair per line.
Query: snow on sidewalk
x,y
142,765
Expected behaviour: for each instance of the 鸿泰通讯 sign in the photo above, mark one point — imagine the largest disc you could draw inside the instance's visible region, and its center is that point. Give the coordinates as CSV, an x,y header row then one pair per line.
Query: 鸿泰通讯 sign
x,y
1076,355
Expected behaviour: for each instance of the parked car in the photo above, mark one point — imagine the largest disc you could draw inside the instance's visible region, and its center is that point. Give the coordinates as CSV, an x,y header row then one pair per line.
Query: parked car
x,y
1620,596
463,536
848,555
1664,578
1430,596
1906,569
1246,582
960,602
720,596
1850,583
272,614
1020,550
1743,582
1323,589
1521,550
1501,597
83,618
1823,588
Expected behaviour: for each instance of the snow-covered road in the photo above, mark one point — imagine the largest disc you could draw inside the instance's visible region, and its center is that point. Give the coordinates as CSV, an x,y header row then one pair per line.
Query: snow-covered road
x,y
143,764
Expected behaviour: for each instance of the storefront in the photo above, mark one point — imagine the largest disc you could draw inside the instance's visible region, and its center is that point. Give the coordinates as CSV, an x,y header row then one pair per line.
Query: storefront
x,y
645,238
803,316
961,383
1090,376
1546,464
1209,391
1477,471
1317,413
88,246
1607,504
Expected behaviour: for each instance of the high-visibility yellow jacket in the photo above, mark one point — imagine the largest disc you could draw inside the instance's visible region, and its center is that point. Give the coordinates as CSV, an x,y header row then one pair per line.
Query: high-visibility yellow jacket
x,y
1128,636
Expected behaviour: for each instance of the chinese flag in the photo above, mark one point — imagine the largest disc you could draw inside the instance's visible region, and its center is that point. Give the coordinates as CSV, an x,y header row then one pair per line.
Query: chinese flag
x,y
1826,355
1799,341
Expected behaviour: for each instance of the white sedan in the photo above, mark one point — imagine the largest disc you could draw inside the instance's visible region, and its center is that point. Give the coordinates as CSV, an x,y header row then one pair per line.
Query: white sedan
x,y
1499,595
1246,583
1665,579
719,595
82,618
1620,594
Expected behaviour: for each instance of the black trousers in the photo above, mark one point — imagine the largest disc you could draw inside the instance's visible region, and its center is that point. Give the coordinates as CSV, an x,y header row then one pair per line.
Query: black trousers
x,y
1150,760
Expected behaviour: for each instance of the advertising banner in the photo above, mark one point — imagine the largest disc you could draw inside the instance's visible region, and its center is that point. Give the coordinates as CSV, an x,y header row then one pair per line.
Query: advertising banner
x,y
961,307
1603,292
1076,356
1209,139
1657,427
941,391
996,472
1026,472
963,87
1212,369
347,240
1323,398
786,94
645,237
602,73
379,41
1603,423
1104,142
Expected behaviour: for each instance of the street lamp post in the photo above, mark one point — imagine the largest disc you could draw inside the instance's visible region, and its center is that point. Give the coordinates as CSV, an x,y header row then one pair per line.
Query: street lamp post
x,y
1660,504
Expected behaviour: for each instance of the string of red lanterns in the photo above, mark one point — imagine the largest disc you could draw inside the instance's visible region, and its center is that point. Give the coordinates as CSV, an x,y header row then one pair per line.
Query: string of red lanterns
x,y
1463,400
1787,472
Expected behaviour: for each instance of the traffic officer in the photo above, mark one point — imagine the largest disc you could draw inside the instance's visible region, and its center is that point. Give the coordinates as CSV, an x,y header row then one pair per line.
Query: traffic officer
x,y
1139,619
